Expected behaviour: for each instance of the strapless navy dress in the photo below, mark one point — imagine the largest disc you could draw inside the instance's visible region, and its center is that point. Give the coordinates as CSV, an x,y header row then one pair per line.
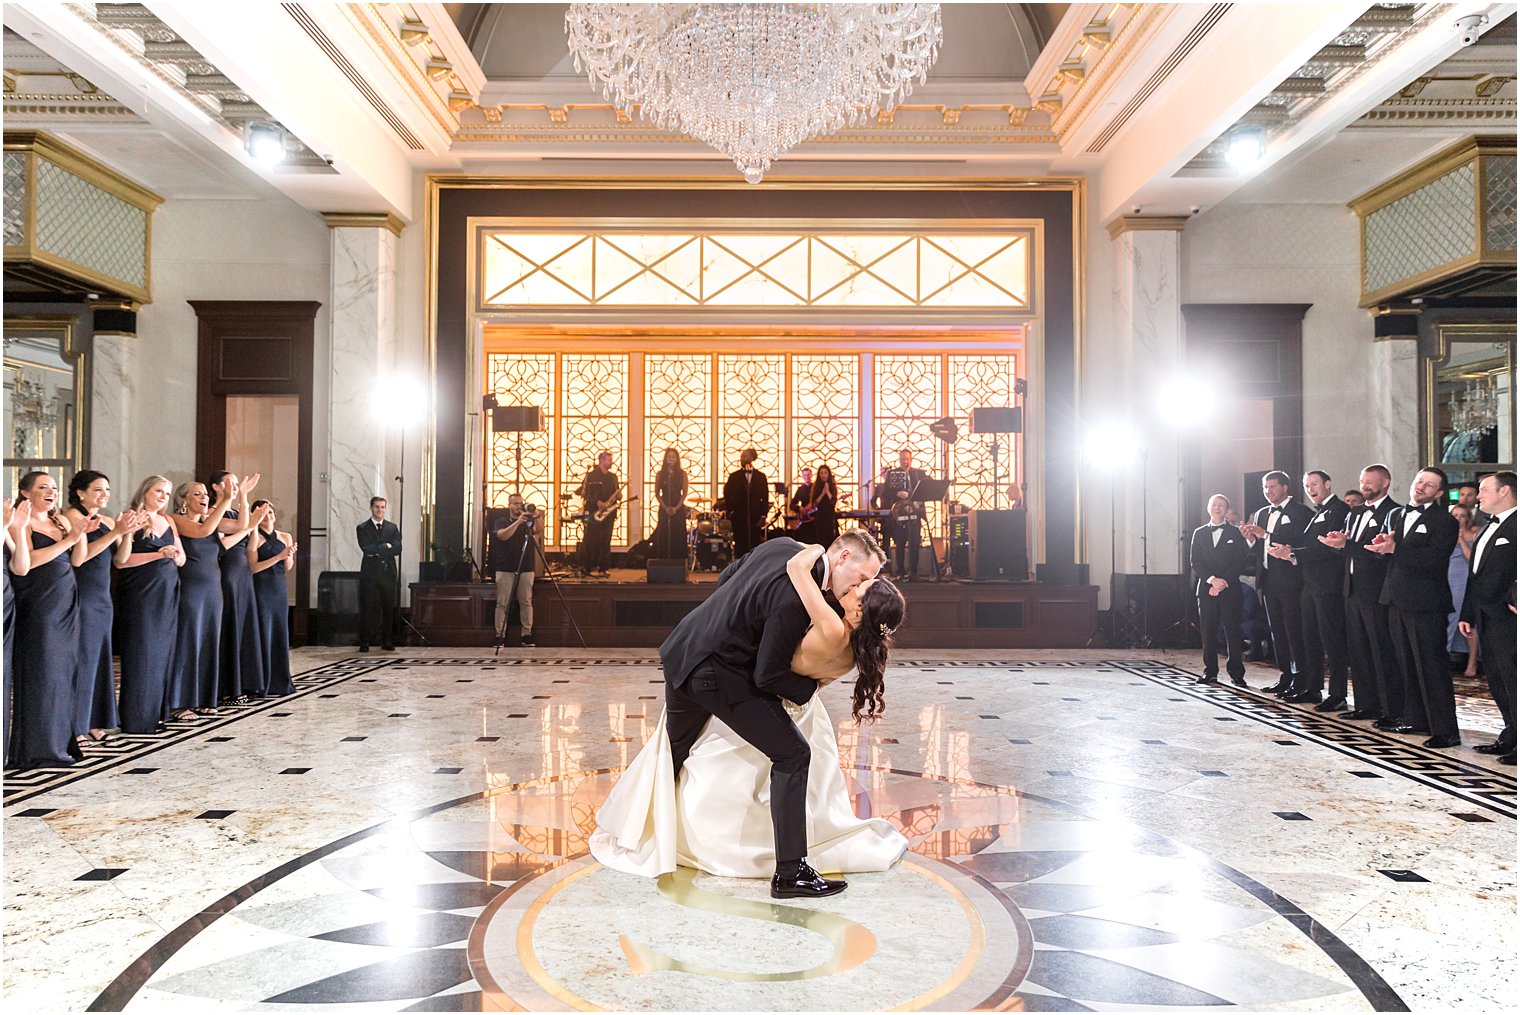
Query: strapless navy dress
x,y
149,608
274,618
242,670
198,648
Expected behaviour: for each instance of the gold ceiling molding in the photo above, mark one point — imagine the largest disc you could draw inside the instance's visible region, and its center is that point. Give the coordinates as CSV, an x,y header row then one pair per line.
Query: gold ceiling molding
x,y
556,134
1146,223
50,104
1102,49
949,116
82,166
396,42
363,220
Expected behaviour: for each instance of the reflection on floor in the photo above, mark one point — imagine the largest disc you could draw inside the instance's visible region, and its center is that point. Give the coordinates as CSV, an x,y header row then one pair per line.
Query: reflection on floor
x,y
1089,833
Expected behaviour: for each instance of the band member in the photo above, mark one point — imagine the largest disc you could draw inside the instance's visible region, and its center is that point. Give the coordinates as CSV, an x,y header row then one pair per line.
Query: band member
x,y
513,560
823,499
796,508
1280,579
1218,556
380,542
905,529
747,498
670,487
599,493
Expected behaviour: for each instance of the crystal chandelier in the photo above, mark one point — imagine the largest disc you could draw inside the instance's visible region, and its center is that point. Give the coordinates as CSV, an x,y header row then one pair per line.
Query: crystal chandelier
x,y
31,411
753,80
1474,410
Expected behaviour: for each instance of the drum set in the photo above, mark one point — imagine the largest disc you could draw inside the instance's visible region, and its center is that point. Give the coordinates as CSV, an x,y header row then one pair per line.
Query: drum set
x,y
710,538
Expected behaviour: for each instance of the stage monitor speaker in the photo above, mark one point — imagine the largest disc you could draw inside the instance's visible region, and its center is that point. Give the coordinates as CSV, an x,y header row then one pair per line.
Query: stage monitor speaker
x,y
666,571
516,418
337,619
999,545
997,419
432,571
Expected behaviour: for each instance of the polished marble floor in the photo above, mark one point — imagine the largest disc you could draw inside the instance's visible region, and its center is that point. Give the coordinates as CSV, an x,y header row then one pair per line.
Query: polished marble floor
x,y
1090,831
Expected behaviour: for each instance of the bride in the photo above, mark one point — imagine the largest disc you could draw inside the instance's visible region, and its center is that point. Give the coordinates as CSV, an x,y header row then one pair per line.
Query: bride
x,y
718,818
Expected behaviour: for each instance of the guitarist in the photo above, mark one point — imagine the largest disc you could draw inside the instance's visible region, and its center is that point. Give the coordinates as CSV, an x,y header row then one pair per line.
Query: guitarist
x,y
796,508
600,495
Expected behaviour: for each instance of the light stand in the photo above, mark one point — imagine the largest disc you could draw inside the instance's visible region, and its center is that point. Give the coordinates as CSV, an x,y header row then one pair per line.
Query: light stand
x,y
401,525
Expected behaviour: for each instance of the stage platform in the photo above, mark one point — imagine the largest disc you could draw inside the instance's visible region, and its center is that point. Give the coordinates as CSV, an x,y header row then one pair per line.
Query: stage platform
x,y
625,610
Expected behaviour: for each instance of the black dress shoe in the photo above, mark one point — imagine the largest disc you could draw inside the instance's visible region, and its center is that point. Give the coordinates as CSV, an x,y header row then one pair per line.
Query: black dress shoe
x,y
1303,698
1359,714
1277,688
1238,681
387,648
1495,748
1331,705
363,648
808,884
1444,742
1208,680
1387,724
1508,759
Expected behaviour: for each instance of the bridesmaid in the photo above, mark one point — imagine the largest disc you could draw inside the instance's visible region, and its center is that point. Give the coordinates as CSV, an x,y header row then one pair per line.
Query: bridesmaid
x,y
148,596
268,552
47,635
94,679
242,666
18,561
198,645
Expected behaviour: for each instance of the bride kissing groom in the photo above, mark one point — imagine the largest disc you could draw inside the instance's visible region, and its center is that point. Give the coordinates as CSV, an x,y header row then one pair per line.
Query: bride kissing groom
x,y
744,732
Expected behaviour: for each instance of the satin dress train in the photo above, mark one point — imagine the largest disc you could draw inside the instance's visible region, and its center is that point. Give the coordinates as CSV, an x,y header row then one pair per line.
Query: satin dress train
x,y
242,672
94,678
274,618
47,642
198,645
149,607
718,819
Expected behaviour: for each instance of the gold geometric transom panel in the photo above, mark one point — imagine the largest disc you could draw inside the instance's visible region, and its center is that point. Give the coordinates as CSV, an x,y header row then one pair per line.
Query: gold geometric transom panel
x,y
757,269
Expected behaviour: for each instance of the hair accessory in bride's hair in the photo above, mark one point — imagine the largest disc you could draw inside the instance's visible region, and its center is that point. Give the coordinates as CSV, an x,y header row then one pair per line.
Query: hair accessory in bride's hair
x,y
886,632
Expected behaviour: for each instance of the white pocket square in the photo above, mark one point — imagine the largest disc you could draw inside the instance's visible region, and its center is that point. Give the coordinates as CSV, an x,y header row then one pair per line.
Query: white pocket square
x,y
1319,517
1501,541
1419,528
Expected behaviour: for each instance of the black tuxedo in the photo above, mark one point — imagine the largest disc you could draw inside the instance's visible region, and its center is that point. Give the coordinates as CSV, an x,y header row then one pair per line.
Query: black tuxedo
x,y
747,502
1490,576
1376,684
731,657
1227,559
903,530
1281,582
1322,605
1418,595
381,546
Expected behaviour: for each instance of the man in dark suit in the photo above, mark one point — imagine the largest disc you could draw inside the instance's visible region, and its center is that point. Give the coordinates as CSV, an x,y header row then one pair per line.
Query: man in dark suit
x,y
599,491
1279,579
731,657
1321,604
380,542
905,528
1376,682
1419,539
1485,607
1218,556
747,499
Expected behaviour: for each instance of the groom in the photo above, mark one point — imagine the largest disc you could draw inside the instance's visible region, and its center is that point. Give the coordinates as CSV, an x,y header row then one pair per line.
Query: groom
x,y
731,657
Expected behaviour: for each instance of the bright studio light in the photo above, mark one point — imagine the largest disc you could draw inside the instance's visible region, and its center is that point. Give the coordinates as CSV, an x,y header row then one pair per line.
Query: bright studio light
x,y
1112,445
1186,401
1246,145
399,400
264,141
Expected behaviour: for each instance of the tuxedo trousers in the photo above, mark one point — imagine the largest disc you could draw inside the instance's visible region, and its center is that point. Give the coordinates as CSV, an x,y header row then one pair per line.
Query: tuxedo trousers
x,y
1212,612
764,724
1376,683
377,605
1419,637
1496,635
1324,620
1285,618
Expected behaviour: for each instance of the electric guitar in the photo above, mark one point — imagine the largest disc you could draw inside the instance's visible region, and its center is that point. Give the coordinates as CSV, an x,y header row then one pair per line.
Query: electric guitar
x,y
602,514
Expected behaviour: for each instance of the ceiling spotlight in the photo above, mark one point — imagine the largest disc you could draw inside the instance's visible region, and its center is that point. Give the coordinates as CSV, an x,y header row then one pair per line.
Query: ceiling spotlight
x,y
1245,145
264,141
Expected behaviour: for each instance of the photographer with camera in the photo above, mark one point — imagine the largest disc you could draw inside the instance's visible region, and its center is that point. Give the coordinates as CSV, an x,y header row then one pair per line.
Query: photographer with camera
x,y
513,559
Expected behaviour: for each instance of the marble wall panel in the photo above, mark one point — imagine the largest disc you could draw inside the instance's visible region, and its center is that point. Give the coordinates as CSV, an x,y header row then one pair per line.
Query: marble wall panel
x,y
111,404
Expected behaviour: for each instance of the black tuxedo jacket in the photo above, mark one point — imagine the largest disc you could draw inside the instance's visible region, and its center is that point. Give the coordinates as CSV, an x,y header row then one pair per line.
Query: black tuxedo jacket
x,y
1273,575
1228,560
1366,572
379,558
749,629
747,507
1324,569
1417,581
1488,585
886,497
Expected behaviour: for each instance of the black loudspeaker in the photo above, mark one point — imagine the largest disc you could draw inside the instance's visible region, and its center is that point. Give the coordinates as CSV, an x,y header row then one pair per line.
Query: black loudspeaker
x,y
666,571
997,419
1155,612
337,619
432,571
999,545
515,418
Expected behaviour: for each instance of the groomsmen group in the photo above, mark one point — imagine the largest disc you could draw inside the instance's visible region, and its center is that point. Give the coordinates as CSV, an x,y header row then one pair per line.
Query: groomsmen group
x,y
1364,592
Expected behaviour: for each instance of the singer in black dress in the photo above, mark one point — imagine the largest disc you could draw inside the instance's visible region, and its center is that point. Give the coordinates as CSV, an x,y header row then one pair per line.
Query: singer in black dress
x,y
47,637
94,679
242,673
825,500
198,645
267,556
670,495
148,598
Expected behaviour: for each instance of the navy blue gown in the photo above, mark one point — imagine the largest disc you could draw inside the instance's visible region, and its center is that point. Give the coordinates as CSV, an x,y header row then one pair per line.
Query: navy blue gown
x,y
198,648
274,618
9,635
242,659
47,638
149,610
94,683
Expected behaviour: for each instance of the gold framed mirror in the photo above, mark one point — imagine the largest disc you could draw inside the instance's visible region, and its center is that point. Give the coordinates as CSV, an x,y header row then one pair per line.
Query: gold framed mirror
x,y
1469,407
45,410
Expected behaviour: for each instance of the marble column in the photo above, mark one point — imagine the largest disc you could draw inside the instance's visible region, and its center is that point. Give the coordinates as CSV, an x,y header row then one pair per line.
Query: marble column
x,y
111,400
363,345
1394,391
1145,357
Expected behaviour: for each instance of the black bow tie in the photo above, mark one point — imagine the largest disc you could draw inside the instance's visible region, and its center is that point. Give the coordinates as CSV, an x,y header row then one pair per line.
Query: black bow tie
x,y
1219,526
1494,520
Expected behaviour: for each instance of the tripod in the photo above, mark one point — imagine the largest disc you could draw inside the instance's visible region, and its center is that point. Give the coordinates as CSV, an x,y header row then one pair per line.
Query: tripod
x,y
530,545
401,524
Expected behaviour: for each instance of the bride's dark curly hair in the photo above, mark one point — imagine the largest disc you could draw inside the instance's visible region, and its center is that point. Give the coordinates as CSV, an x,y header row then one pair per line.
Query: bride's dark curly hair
x,y
881,612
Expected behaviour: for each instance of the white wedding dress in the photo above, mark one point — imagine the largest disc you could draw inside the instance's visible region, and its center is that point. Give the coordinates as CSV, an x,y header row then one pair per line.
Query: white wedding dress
x,y
718,819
